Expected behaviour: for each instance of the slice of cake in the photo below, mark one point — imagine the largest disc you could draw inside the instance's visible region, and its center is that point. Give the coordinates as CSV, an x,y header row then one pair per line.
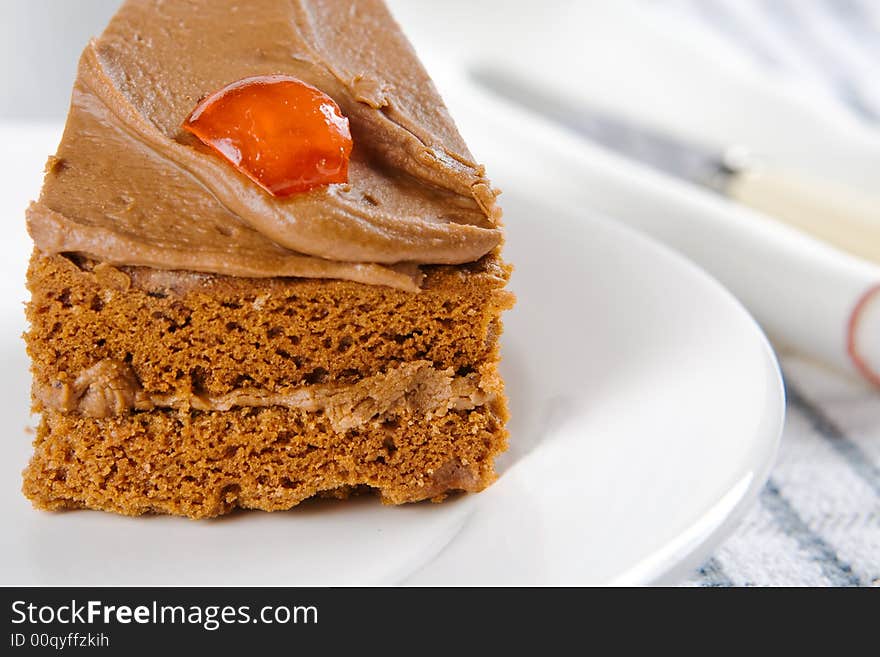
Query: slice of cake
x,y
266,268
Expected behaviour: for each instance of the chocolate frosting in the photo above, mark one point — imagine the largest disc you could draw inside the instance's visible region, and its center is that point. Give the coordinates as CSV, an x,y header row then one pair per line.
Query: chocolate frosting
x,y
129,187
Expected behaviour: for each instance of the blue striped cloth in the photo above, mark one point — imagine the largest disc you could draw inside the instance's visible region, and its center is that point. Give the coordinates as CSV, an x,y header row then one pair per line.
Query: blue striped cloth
x,y
817,521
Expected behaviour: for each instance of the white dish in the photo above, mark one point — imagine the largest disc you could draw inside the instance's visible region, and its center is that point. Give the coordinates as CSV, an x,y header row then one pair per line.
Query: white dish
x,y
646,404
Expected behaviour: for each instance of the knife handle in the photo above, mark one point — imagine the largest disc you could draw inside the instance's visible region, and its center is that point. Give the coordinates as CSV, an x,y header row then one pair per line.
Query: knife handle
x,y
838,215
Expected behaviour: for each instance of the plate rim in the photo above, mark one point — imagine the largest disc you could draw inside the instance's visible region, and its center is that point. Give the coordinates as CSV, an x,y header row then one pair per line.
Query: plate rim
x,y
668,565
675,567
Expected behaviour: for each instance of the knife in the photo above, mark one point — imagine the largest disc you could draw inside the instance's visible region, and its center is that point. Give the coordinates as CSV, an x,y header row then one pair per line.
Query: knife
x,y
843,217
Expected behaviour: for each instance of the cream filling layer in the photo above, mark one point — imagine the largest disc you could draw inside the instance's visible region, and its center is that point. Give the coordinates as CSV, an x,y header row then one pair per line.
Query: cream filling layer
x,y
110,388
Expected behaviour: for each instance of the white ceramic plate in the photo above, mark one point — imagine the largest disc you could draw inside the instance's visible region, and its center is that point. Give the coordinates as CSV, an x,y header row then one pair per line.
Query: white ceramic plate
x,y
646,408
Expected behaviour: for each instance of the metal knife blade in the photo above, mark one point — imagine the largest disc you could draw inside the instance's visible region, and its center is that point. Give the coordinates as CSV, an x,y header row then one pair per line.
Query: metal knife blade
x,y
844,217
666,153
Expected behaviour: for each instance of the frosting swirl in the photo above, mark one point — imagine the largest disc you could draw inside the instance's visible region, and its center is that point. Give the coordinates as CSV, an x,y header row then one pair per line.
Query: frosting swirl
x,y
128,186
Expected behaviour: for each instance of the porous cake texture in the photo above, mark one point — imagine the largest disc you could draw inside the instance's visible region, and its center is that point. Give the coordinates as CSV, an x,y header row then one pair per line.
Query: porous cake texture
x,y
192,394
266,267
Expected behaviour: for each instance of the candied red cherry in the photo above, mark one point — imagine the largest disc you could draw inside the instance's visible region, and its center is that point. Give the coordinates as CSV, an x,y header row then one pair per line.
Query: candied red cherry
x,y
285,135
